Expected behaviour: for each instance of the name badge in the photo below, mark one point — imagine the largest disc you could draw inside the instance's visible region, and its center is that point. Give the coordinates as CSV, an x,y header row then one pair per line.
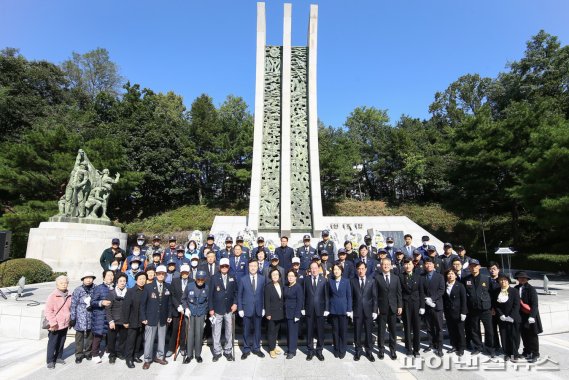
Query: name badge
x,y
218,289
192,293
468,282
153,295
231,279
167,293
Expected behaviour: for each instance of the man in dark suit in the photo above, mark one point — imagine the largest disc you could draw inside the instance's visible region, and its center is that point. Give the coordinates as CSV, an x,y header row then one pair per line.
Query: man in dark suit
x,y
433,285
222,301
210,266
316,309
250,303
364,299
390,306
177,288
368,261
238,263
285,254
413,301
155,314
349,269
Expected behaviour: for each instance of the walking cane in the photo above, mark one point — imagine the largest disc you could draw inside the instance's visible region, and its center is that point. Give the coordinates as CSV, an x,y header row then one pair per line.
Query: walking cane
x,y
233,334
178,338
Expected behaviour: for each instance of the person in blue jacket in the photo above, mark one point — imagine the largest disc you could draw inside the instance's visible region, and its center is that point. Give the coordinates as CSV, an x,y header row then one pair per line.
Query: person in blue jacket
x,y
238,263
81,317
349,270
294,304
251,306
195,304
340,309
99,323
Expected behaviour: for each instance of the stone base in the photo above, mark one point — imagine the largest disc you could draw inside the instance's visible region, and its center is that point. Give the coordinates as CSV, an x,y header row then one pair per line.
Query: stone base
x,y
72,247
71,219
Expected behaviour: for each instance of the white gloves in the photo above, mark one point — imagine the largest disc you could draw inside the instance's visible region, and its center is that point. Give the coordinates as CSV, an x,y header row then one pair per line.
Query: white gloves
x,y
374,316
350,314
503,318
326,313
429,302
296,320
531,320
303,312
180,309
462,317
421,311
188,312
263,313
510,319
241,313
87,300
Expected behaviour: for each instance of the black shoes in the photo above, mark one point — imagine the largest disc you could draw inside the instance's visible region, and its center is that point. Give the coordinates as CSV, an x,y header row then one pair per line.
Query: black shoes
x,y
380,355
215,357
439,353
320,356
342,356
199,359
112,360
357,356
137,360
392,354
188,359
475,352
370,357
259,354
229,357
51,365
309,356
244,356
427,349
129,364
289,356
78,360
416,354
450,351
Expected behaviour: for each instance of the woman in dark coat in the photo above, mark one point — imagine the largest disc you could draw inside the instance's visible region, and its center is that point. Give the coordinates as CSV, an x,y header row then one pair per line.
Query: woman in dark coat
x,y
131,320
274,309
506,304
455,309
530,321
340,292
293,303
100,324
114,317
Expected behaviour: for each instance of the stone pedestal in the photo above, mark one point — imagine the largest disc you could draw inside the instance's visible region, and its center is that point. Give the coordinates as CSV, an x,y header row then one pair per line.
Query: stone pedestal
x,y
72,247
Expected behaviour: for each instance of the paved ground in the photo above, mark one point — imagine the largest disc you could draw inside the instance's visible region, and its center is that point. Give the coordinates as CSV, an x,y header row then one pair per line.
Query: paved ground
x,y
21,359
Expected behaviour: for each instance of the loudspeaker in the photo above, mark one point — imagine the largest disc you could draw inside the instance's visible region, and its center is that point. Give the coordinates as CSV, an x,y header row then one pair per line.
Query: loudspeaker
x,y
5,245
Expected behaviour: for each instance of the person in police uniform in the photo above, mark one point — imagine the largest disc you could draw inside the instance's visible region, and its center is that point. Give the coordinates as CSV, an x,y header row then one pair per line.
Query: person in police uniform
x,y
305,254
327,245
245,250
170,251
479,308
447,257
225,252
326,264
210,243
424,247
180,258
274,264
390,248
155,248
432,254
285,254
398,263
413,297
372,251
464,258
260,247
349,271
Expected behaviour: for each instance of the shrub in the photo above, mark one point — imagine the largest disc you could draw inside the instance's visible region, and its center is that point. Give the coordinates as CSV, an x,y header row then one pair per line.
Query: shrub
x,y
32,269
546,262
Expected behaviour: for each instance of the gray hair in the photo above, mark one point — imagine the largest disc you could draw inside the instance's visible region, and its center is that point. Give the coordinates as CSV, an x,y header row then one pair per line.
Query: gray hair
x,y
62,278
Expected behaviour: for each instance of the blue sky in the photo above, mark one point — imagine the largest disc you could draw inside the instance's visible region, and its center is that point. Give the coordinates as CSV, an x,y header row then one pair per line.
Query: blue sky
x,y
388,54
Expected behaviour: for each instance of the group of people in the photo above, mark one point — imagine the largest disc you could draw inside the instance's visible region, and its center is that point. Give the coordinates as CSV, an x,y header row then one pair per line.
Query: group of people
x,y
175,293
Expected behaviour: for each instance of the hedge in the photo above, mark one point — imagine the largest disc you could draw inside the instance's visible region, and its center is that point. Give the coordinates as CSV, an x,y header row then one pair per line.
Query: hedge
x,y
32,269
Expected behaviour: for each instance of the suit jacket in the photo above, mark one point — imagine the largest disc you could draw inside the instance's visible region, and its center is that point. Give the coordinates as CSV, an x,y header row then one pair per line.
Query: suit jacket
x,y
316,301
389,296
412,291
455,303
241,270
294,300
406,253
176,294
434,288
131,307
251,302
349,269
285,257
220,298
274,304
341,297
510,308
205,267
155,307
371,265
364,301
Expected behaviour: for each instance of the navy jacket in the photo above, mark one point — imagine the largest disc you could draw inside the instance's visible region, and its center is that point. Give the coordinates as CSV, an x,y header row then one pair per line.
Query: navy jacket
x,y
364,301
370,262
349,269
252,303
340,298
455,303
316,301
285,257
195,299
388,296
434,288
221,298
99,323
238,271
294,300
155,307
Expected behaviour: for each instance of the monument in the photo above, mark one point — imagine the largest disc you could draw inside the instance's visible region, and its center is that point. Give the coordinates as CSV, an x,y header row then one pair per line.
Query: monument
x,y
285,196
72,240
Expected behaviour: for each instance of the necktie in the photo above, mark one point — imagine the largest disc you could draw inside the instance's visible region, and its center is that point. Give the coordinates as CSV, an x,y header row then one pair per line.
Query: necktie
x,y
236,262
160,289
364,260
211,269
253,283
225,281
387,279
314,282
362,283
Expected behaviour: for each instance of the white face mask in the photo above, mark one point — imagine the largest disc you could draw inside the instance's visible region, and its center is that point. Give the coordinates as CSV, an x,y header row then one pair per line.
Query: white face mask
x,y
140,242
425,244
194,263
134,266
114,267
390,245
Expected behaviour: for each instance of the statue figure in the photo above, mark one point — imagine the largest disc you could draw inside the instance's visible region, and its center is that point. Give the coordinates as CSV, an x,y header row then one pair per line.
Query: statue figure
x,y
97,198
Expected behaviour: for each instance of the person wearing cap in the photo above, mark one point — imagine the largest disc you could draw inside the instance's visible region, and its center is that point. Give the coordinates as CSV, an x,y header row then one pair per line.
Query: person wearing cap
x,y
424,247
136,256
170,251
408,247
80,318
115,347
225,252
326,264
351,253
506,303
99,323
210,243
211,266
285,254
479,308
305,253
418,261
340,292
274,307
110,254
433,285
413,300
296,269
432,254
370,262
372,251
390,306
530,321
222,303
140,240
455,311
251,307
390,248
238,264
260,247
316,309
171,272
464,258
328,245
195,304
155,315
180,258
155,248
348,269
446,257
156,259
274,264
244,249
364,307
132,322
398,263
177,289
